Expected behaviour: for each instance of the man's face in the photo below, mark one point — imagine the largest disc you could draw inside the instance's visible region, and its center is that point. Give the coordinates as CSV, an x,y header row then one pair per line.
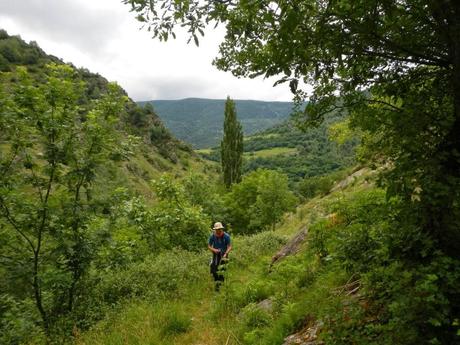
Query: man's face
x,y
219,232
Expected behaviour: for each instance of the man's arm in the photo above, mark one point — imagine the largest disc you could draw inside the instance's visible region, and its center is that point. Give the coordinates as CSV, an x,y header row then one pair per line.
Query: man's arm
x,y
212,249
229,248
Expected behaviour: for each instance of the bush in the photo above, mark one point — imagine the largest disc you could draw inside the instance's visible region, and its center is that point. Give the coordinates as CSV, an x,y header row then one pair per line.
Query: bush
x,y
251,247
164,274
259,201
406,298
310,187
167,275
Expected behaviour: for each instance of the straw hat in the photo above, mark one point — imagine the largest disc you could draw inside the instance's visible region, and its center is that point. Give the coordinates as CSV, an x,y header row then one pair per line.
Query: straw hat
x,y
217,226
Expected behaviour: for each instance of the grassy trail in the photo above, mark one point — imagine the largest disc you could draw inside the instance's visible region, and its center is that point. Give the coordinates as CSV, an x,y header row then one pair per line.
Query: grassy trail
x,y
190,319
197,315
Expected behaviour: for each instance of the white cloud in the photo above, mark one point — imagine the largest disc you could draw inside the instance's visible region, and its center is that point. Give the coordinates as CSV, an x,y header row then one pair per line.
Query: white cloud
x,y
104,37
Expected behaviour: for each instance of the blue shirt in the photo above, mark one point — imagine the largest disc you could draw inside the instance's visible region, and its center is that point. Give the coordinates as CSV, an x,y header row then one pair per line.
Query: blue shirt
x,y
220,243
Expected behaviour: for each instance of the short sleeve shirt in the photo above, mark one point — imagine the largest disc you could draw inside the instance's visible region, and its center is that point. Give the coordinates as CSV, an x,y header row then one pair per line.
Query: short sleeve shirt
x,y
220,243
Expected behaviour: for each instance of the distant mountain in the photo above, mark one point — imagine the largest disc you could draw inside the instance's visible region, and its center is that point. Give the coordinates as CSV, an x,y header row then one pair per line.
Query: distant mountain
x,y
199,121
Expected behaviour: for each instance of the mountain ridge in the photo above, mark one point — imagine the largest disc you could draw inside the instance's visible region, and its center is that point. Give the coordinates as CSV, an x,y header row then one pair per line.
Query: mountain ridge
x,y
208,114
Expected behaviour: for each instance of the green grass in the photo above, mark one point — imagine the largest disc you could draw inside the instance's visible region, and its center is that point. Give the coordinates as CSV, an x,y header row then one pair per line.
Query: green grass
x,y
271,152
204,151
262,136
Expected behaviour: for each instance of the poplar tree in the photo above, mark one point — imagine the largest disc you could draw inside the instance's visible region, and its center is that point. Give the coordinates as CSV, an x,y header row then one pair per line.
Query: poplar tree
x,y
231,147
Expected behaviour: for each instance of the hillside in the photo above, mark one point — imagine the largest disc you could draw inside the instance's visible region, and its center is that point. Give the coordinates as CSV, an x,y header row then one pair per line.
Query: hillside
x,y
156,152
200,121
299,154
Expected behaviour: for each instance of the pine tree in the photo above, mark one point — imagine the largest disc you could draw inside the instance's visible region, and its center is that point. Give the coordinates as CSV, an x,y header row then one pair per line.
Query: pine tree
x,y
231,146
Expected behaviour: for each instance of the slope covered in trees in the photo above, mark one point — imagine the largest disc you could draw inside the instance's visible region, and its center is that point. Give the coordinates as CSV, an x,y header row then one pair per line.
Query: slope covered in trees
x,y
199,121
300,154
156,151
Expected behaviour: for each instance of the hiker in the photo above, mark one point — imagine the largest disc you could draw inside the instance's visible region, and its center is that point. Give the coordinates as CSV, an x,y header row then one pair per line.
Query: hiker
x,y
220,245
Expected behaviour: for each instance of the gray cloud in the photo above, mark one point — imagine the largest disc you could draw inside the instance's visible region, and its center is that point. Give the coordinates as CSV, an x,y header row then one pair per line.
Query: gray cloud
x,y
66,21
103,36
165,88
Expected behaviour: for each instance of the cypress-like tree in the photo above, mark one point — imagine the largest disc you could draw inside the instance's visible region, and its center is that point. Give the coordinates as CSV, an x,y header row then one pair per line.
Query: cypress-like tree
x,y
231,147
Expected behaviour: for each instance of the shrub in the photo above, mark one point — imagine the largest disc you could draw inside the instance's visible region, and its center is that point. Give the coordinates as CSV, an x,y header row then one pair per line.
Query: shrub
x,y
166,275
259,201
406,286
250,247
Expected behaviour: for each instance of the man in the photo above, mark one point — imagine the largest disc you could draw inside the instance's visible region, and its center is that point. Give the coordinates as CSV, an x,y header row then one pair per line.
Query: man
x,y
220,245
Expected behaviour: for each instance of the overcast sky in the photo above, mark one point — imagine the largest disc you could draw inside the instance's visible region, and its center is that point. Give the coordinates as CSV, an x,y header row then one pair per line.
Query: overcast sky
x,y
103,36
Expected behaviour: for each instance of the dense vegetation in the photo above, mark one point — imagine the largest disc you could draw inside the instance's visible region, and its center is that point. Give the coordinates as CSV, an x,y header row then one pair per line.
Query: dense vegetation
x,y
199,121
77,238
394,67
331,290
73,149
380,264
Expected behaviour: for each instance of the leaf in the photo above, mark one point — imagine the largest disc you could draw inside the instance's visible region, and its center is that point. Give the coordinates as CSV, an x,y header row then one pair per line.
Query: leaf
x,y
293,85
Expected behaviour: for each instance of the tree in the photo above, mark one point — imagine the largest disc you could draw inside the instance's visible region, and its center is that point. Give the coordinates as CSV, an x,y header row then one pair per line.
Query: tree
x,y
231,147
259,201
48,161
173,222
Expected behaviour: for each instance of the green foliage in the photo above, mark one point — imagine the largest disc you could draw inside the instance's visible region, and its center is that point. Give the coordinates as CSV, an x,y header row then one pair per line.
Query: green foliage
x,y
252,316
18,321
231,147
319,185
255,245
139,121
207,193
404,303
402,91
173,222
156,276
67,220
259,201
48,166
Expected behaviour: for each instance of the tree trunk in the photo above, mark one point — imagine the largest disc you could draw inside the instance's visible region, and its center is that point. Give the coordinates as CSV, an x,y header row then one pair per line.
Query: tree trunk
x,y
37,293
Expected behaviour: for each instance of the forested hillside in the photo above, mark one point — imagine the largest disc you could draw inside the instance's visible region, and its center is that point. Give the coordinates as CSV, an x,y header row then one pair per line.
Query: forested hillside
x,y
199,121
154,151
307,157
